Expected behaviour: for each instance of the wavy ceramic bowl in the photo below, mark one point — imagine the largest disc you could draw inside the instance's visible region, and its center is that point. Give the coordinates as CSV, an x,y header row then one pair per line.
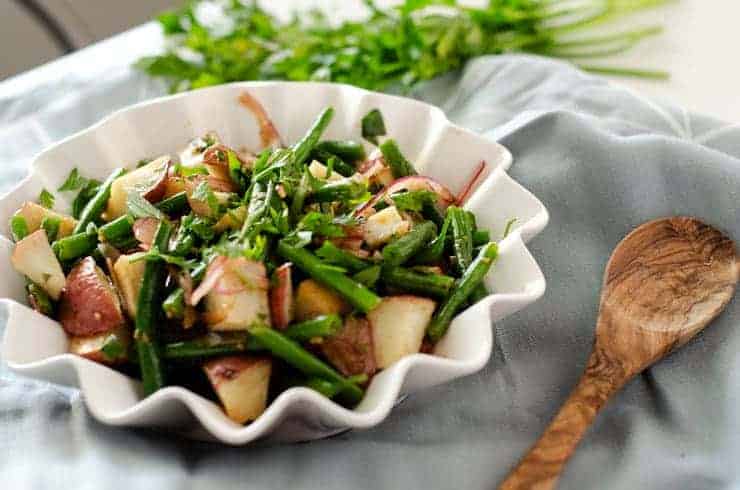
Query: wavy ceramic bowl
x,y
36,346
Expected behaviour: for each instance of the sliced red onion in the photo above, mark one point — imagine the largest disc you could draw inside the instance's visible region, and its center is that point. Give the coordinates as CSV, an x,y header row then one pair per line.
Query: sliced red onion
x,y
476,178
268,134
213,275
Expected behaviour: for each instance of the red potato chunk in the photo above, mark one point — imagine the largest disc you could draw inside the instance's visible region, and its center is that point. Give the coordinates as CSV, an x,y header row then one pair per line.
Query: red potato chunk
x,y
144,231
109,348
399,324
239,297
241,383
351,350
34,214
34,257
89,304
150,181
314,299
282,306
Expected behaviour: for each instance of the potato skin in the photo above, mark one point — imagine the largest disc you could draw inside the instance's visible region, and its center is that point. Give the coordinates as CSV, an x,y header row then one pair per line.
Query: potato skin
x,y
89,303
351,350
282,308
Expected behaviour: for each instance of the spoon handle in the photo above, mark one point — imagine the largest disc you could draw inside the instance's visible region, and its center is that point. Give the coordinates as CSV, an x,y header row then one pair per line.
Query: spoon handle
x,y
541,467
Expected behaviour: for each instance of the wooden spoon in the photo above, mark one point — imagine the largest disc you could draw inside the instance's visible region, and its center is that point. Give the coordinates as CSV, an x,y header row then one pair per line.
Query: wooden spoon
x,y
663,284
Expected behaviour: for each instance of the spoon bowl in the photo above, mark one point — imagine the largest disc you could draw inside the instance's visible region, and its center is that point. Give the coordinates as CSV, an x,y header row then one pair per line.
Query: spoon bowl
x,y
663,284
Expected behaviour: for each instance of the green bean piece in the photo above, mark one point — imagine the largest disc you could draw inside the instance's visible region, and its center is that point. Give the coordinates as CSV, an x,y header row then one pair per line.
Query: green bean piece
x,y
74,246
199,272
299,198
119,232
39,299
461,291
355,293
369,276
95,206
341,191
174,304
321,326
209,345
403,248
51,224
147,314
340,166
434,252
175,204
462,237
336,256
400,167
18,227
434,285
481,237
298,357
303,148
327,388
348,150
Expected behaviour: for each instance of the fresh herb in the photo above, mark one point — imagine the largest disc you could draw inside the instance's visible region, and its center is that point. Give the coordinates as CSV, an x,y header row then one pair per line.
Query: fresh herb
x,y
413,200
46,199
74,181
141,208
509,226
373,126
203,192
393,48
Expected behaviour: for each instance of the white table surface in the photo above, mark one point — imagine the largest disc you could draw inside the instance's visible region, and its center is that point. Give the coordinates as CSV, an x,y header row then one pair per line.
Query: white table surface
x,y
698,47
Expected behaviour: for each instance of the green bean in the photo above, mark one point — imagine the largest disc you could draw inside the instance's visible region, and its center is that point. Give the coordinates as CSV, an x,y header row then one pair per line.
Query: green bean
x,y
373,126
369,277
175,204
400,167
145,334
433,253
481,237
303,148
461,291
322,326
342,190
406,246
95,206
119,232
340,166
299,198
18,227
355,293
298,357
50,224
74,246
462,235
209,345
39,299
347,150
335,255
435,285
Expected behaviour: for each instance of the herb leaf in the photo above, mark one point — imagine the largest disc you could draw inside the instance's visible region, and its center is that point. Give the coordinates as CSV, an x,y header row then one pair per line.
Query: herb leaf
x,y
141,208
373,126
46,199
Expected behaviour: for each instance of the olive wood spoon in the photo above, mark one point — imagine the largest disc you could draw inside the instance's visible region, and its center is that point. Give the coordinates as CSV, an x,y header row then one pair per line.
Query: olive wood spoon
x,y
663,284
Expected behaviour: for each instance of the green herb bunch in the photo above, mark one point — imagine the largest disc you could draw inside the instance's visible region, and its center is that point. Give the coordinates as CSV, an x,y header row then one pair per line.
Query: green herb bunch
x,y
212,42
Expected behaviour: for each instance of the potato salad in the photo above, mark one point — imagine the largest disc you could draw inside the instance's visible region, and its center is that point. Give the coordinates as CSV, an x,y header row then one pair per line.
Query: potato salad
x,y
240,274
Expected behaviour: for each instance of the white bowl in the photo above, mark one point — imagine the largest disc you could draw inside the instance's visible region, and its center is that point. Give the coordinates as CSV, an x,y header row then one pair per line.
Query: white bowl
x,y
36,346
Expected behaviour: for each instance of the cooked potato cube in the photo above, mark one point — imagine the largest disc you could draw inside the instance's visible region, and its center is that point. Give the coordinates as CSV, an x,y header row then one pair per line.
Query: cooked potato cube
x,y
150,181
398,325
241,384
239,300
319,170
34,214
314,299
89,304
384,225
129,272
106,348
34,258
351,349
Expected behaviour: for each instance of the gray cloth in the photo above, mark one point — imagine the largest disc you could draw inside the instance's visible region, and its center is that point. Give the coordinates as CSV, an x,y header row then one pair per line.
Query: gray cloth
x,y
602,159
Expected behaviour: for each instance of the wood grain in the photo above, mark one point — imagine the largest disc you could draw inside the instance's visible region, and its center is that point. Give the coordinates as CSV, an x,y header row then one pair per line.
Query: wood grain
x,y
663,284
